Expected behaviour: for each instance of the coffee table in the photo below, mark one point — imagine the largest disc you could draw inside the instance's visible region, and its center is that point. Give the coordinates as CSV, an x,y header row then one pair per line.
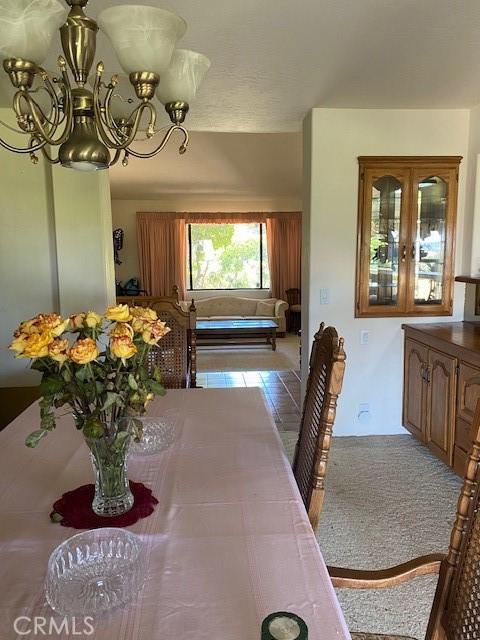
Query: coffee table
x,y
230,330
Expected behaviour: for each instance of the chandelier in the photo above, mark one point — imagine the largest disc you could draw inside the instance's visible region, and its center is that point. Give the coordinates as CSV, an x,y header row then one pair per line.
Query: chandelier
x,y
88,120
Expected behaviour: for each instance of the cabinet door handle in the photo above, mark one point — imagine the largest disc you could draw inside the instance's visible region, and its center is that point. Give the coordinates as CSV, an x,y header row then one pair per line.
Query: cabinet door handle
x,y
404,252
425,373
413,251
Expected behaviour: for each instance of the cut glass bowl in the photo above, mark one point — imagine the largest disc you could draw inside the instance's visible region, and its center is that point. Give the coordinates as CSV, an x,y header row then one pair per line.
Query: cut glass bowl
x,y
95,571
158,434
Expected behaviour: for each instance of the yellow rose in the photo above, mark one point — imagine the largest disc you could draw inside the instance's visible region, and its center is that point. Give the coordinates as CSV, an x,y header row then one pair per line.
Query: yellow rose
x,y
76,321
122,347
36,345
140,324
84,351
18,343
93,320
122,329
144,313
52,322
120,313
154,331
29,326
58,350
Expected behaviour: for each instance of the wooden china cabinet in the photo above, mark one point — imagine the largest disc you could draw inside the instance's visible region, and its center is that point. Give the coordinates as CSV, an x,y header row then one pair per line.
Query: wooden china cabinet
x,y
407,211
442,386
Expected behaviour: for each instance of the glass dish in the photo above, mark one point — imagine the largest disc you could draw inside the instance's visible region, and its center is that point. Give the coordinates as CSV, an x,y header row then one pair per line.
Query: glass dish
x,y
158,434
95,571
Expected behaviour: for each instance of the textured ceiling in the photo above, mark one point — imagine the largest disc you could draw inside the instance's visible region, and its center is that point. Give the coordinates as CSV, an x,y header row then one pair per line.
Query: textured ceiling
x,y
273,60
217,165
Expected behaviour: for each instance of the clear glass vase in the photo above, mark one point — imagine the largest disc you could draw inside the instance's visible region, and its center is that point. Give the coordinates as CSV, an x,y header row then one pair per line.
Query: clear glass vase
x,y
109,455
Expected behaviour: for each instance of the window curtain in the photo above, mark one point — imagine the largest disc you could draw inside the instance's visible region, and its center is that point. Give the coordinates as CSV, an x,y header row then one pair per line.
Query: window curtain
x,y
284,243
162,251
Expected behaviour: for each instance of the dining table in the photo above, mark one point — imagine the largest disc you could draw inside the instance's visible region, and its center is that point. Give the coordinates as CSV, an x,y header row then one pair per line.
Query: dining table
x,y
228,543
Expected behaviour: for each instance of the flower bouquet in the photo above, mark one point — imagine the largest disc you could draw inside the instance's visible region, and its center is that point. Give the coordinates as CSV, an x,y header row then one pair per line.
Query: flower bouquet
x,y
97,367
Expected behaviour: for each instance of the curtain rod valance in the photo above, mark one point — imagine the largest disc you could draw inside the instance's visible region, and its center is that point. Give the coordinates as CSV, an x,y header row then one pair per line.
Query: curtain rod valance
x,y
221,218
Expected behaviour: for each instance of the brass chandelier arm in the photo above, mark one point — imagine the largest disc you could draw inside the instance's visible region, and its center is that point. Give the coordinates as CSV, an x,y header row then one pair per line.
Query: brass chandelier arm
x,y
161,146
116,157
35,112
123,144
31,149
48,157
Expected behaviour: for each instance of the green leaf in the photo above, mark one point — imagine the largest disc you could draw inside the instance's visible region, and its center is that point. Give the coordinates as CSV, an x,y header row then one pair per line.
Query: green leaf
x,y
50,385
93,428
56,517
156,374
132,383
34,438
112,398
100,387
82,374
66,374
47,422
120,439
156,388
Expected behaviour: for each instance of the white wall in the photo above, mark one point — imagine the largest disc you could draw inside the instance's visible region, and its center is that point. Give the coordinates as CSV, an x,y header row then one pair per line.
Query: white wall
x,y
124,216
28,267
55,247
83,230
336,138
471,263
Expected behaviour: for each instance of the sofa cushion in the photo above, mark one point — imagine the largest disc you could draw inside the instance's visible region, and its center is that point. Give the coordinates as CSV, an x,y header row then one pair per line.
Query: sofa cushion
x,y
226,306
265,308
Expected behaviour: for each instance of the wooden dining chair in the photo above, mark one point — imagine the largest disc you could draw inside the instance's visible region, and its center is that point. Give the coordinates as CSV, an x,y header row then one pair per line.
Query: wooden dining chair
x,y
324,384
176,353
294,311
455,613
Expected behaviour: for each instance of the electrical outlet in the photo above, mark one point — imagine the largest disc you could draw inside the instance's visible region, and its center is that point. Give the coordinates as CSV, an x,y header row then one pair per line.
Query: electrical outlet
x,y
364,336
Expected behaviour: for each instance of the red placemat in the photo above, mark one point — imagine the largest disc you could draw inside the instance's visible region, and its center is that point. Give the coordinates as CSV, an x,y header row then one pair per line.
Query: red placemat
x,y
74,508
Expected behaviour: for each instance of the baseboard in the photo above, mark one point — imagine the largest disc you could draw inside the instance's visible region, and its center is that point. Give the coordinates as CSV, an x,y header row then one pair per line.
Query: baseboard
x,y
14,400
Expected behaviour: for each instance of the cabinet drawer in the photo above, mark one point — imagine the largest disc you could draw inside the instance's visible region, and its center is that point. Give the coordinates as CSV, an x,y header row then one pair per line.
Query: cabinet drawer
x,y
463,434
459,461
468,391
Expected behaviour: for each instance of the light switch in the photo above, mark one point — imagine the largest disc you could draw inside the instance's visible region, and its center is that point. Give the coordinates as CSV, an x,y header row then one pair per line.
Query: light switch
x,y
364,336
324,296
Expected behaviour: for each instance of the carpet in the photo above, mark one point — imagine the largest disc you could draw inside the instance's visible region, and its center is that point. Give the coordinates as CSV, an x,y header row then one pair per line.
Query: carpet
x,y
236,357
388,499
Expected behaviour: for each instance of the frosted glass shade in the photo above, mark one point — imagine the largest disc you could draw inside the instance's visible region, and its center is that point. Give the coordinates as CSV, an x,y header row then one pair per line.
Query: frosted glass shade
x,y
183,77
27,27
143,37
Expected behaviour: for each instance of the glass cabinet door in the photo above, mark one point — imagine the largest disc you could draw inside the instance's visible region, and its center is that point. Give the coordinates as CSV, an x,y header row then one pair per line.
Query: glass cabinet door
x,y
383,243
431,246
406,235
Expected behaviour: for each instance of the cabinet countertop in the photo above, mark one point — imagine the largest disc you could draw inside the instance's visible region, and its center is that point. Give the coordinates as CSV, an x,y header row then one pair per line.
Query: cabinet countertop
x,y
462,334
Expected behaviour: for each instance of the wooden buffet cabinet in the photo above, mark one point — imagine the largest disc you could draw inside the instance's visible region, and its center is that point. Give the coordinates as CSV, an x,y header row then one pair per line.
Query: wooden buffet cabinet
x,y
441,386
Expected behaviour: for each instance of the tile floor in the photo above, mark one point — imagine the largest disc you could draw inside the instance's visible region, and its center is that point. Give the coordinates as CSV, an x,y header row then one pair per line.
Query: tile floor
x,y
281,389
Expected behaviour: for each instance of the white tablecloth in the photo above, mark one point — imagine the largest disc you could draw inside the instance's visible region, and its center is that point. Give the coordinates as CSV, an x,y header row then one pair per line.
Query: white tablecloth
x,y
228,543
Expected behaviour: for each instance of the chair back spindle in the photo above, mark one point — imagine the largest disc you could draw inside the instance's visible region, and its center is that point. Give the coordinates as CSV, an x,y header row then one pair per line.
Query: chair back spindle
x,y
456,610
324,384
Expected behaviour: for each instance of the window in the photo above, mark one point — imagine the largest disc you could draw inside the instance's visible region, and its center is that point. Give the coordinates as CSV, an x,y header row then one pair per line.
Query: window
x,y
407,214
227,256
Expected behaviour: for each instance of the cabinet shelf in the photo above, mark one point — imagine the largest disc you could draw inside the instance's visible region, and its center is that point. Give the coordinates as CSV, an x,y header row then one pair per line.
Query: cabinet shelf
x,y
468,279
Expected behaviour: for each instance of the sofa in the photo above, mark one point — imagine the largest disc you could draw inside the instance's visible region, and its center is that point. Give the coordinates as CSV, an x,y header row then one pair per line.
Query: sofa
x,y
235,307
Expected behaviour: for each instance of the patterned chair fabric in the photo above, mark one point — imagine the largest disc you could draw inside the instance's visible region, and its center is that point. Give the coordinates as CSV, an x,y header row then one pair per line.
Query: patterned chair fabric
x,y
175,354
327,366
